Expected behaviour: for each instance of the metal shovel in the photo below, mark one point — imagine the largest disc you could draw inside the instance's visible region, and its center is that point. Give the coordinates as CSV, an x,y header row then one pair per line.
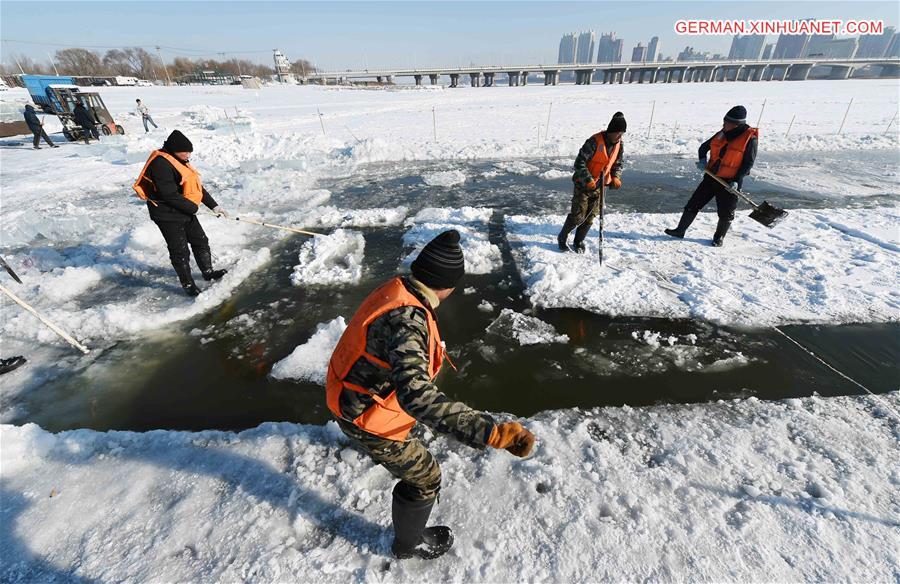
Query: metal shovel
x,y
767,213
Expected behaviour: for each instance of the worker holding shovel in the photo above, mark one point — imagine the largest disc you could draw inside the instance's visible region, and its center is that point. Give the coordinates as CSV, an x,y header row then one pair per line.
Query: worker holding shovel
x,y
173,192
732,152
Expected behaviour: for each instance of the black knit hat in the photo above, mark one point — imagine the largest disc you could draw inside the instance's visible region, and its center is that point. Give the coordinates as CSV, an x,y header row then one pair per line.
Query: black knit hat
x,y
737,115
617,123
440,264
178,142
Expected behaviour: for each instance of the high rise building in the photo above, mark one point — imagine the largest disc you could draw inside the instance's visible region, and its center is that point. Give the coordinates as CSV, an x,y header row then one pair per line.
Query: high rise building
x,y
874,46
639,54
653,50
567,47
747,47
893,50
585,49
689,54
817,45
790,46
767,52
609,49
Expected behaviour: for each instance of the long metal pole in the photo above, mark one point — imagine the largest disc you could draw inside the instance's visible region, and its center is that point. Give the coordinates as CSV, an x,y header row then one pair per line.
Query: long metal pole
x,y
166,69
791,125
845,117
547,132
652,111
761,110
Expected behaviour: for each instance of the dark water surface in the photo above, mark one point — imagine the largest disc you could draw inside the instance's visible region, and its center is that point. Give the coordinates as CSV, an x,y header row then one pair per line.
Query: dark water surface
x,y
212,371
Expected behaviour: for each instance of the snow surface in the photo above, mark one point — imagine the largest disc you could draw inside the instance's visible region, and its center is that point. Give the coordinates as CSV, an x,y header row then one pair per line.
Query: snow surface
x,y
481,256
309,361
799,490
836,265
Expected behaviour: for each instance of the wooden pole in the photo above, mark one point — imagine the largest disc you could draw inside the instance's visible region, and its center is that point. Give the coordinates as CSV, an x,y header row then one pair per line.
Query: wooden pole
x,y
891,123
652,110
321,122
791,125
66,337
761,110
845,116
547,132
434,122
271,225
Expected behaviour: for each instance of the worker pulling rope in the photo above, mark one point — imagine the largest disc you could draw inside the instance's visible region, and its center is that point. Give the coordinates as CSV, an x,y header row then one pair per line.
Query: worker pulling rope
x,y
845,376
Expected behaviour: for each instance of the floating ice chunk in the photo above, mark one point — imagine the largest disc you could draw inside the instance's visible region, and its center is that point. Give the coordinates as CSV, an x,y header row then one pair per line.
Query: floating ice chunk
x,y
333,217
526,330
309,361
516,167
728,363
69,282
447,178
329,260
555,173
486,306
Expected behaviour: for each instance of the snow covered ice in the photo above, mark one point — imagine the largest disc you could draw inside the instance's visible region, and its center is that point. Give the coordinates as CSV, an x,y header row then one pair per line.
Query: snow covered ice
x,y
802,489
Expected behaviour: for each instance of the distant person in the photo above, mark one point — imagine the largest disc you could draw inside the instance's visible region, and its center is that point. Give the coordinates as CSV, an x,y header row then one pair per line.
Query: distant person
x,y
145,115
732,152
381,382
599,162
84,119
37,128
173,192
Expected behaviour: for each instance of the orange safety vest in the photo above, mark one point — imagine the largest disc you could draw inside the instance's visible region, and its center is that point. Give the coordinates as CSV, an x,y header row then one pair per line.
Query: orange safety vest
x,y
385,417
191,188
601,162
728,155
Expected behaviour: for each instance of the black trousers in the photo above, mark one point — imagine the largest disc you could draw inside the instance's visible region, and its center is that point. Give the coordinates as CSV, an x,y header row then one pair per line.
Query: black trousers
x,y
178,235
88,132
41,133
708,188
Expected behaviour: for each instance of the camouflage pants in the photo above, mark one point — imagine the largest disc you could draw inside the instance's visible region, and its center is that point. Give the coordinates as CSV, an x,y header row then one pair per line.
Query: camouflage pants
x,y
409,461
585,208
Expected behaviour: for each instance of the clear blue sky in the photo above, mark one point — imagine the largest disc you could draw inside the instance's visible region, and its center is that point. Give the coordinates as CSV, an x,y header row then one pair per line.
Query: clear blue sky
x,y
341,35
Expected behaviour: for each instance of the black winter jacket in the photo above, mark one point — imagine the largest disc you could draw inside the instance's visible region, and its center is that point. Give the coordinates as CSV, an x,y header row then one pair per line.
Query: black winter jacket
x,y
83,117
34,124
171,204
749,153
582,175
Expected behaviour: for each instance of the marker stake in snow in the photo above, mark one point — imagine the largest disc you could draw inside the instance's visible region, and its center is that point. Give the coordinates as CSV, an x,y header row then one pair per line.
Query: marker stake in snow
x,y
790,125
674,130
65,336
547,133
434,123
845,117
233,131
321,121
761,110
891,123
652,111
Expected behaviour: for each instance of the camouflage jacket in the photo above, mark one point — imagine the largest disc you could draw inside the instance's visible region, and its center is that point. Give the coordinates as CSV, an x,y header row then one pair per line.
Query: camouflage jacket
x,y
400,337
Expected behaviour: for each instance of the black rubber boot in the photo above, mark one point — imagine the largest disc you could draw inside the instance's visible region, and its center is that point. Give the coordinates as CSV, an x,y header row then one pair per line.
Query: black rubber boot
x,y
411,537
568,226
580,233
204,262
186,279
7,365
687,217
721,231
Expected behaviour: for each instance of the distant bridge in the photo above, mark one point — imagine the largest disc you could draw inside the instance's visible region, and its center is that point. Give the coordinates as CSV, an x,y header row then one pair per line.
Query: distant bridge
x,y
659,72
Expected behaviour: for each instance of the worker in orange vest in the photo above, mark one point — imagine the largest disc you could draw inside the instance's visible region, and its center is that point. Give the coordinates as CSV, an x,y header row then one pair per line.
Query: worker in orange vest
x,y
732,152
599,163
381,381
173,192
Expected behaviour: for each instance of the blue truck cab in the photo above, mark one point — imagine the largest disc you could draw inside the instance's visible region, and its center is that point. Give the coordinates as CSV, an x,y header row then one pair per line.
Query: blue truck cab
x,y
38,87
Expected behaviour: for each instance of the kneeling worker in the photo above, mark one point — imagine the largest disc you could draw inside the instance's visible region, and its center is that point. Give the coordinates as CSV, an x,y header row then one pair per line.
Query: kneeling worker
x,y
599,163
381,382
173,192
732,152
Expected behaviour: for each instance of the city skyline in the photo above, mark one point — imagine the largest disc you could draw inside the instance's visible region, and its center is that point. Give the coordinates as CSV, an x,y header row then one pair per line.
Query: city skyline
x,y
343,35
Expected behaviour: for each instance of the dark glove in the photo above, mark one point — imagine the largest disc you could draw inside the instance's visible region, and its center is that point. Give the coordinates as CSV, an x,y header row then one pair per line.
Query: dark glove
x,y
701,164
512,437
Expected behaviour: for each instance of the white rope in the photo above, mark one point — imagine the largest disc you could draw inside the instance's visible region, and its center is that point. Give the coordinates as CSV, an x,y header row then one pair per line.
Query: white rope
x,y
847,377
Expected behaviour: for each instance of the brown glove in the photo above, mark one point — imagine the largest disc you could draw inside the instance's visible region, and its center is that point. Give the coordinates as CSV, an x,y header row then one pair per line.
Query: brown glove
x,y
616,182
591,186
512,437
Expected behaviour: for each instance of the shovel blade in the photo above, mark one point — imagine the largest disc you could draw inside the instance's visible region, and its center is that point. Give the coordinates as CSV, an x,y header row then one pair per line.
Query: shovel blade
x,y
768,214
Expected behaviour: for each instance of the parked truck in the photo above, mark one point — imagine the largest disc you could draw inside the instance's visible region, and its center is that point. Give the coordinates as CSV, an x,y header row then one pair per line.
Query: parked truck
x,y
58,95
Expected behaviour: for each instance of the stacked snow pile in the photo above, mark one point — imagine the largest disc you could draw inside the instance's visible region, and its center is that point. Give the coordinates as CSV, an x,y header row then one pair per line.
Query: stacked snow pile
x,y
800,490
330,260
309,361
214,118
839,266
526,330
481,256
